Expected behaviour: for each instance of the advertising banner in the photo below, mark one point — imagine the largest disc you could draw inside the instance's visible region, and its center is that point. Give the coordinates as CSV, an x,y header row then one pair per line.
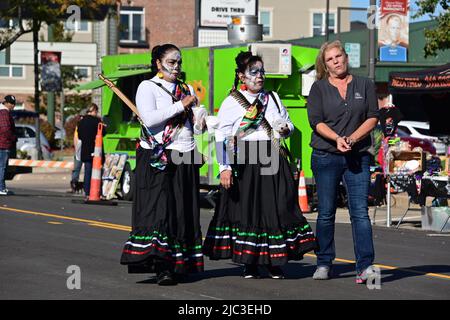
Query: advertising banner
x,y
393,34
51,71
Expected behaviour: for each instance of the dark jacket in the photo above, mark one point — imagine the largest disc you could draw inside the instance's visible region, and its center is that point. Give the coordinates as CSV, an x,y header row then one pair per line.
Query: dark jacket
x,y
87,130
7,129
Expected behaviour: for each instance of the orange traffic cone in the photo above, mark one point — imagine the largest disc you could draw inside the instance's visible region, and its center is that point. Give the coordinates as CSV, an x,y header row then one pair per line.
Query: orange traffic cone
x,y
96,178
302,196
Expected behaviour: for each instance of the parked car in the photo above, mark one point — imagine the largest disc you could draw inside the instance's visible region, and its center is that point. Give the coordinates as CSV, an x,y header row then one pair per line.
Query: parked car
x,y
421,130
426,144
26,141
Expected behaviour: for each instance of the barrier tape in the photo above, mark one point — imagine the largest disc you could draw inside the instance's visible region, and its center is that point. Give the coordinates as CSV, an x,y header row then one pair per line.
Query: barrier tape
x,y
40,163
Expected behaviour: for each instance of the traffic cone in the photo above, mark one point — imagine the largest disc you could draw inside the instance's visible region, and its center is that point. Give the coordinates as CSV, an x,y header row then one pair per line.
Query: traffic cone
x,y
96,178
302,196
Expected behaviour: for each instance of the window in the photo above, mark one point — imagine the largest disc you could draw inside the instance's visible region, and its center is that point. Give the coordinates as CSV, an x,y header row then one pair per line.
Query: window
x,y
265,18
132,26
10,70
9,23
77,26
83,73
405,130
319,22
19,106
425,132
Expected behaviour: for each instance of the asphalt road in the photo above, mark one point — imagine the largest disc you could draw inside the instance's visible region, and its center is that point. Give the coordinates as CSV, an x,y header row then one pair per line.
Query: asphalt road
x,y
45,235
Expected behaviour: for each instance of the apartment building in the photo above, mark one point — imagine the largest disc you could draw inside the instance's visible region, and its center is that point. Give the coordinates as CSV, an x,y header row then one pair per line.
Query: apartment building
x,y
90,41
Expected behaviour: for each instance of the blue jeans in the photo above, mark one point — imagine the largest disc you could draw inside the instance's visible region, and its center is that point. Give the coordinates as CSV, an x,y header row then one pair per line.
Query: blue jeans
x,y
4,156
77,164
87,177
353,170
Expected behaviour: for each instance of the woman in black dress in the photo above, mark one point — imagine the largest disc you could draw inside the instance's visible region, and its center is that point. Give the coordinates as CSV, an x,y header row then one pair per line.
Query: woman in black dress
x,y
257,221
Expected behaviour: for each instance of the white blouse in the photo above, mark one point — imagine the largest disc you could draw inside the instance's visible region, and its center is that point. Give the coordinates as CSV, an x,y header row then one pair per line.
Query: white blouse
x,y
156,107
231,113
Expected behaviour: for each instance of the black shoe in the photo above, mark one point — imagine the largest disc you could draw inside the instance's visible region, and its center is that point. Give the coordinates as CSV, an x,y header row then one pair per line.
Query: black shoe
x,y
166,278
275,272
251,271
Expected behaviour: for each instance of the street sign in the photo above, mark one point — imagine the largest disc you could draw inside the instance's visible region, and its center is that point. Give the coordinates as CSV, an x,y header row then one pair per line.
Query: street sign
x,y
354,54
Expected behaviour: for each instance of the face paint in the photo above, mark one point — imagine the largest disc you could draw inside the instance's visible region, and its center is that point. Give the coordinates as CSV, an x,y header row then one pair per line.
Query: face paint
x,y
171,64
254,77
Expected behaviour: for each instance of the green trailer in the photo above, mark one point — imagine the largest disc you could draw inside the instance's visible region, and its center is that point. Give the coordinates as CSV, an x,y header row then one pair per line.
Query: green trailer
x,y
210,70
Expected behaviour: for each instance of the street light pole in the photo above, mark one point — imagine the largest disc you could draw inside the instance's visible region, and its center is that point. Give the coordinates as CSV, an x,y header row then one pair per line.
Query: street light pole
x,y
327,15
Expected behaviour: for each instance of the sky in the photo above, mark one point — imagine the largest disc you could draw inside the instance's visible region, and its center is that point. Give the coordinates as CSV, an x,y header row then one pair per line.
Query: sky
x,y
361,15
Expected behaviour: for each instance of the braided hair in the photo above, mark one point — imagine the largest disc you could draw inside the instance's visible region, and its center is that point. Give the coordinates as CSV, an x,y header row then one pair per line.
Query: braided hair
x,y
158,52
243,61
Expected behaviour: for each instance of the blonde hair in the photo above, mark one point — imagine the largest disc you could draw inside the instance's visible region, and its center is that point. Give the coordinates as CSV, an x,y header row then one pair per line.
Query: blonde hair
x,y
321,67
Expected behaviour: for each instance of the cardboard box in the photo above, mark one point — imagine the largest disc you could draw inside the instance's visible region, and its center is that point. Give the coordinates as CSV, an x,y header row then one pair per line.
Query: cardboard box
x,y
400,158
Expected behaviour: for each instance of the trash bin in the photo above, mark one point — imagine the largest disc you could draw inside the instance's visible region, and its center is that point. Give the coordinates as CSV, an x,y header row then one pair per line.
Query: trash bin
x,y
433,218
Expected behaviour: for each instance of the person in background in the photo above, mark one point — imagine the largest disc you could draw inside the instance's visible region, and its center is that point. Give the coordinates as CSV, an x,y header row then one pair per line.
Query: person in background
x,y
342,111
77,163
8,138
87,130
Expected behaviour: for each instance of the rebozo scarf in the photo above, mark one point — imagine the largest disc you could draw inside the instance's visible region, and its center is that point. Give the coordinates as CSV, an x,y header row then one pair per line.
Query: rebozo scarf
x,y
159,159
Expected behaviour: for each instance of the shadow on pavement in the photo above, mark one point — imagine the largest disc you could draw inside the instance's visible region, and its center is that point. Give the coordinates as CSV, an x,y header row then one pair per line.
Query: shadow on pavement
x,y
415,271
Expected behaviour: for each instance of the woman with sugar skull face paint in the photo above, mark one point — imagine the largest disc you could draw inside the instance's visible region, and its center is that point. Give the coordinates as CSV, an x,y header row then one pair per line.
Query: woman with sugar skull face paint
x,y
257,221
166,236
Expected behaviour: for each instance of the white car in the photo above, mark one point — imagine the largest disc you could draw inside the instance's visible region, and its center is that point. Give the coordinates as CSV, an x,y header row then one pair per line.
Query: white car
x,y
26,141
421,130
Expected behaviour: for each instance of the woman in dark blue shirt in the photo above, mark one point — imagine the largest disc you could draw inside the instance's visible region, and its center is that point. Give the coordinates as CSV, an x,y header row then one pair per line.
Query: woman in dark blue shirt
x,y
342,111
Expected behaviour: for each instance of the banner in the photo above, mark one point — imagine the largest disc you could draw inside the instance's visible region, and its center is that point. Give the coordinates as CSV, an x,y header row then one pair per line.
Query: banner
x,y
421,81
393,34
51,71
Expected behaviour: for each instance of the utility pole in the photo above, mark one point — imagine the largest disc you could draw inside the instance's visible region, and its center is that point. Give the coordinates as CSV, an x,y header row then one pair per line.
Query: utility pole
x,y
50,94
372,44
36,27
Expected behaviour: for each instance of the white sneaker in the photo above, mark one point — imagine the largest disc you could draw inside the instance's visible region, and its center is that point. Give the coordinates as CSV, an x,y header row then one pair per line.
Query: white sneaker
x,y
361,277
4,192
322,273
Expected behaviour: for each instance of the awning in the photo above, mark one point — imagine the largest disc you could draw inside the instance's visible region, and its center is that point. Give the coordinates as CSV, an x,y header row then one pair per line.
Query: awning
x,y
432,80
95,84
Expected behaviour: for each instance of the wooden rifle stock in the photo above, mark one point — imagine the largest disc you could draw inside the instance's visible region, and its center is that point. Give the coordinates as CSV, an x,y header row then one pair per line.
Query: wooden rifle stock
x,y
120,94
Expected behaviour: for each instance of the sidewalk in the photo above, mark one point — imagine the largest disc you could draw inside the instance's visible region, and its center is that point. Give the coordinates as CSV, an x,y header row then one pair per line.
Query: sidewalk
x,y
58,180
45,179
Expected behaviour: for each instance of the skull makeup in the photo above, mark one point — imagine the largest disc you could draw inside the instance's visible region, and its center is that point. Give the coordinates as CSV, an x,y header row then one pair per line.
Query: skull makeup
x,y
254,77
171,65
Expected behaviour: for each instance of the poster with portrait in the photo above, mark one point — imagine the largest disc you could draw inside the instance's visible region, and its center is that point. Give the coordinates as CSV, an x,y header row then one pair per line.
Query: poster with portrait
x,y
51,71
393,33
112,172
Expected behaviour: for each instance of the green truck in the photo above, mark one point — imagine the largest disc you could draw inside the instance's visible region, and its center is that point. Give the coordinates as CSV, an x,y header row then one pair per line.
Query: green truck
x,y
210,70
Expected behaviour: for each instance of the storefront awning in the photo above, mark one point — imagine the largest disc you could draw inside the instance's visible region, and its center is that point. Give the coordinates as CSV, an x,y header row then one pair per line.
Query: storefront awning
x,y
432,80
113,77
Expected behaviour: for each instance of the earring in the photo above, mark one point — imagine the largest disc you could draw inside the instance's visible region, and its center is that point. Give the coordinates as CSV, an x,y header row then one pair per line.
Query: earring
x,y
160,75
243,87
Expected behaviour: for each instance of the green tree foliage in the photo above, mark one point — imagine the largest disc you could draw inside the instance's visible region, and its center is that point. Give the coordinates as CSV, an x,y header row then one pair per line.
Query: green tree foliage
x,y
438,38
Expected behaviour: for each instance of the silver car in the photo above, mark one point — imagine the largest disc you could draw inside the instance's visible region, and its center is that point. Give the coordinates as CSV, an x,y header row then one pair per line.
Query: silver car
x,y
26,142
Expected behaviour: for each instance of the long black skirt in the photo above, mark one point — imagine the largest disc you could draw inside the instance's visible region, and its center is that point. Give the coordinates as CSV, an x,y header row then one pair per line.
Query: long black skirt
x,y
165,217
258,220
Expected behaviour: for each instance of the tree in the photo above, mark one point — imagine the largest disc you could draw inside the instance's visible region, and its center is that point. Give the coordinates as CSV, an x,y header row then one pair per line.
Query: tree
x,y
30,15
438,38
